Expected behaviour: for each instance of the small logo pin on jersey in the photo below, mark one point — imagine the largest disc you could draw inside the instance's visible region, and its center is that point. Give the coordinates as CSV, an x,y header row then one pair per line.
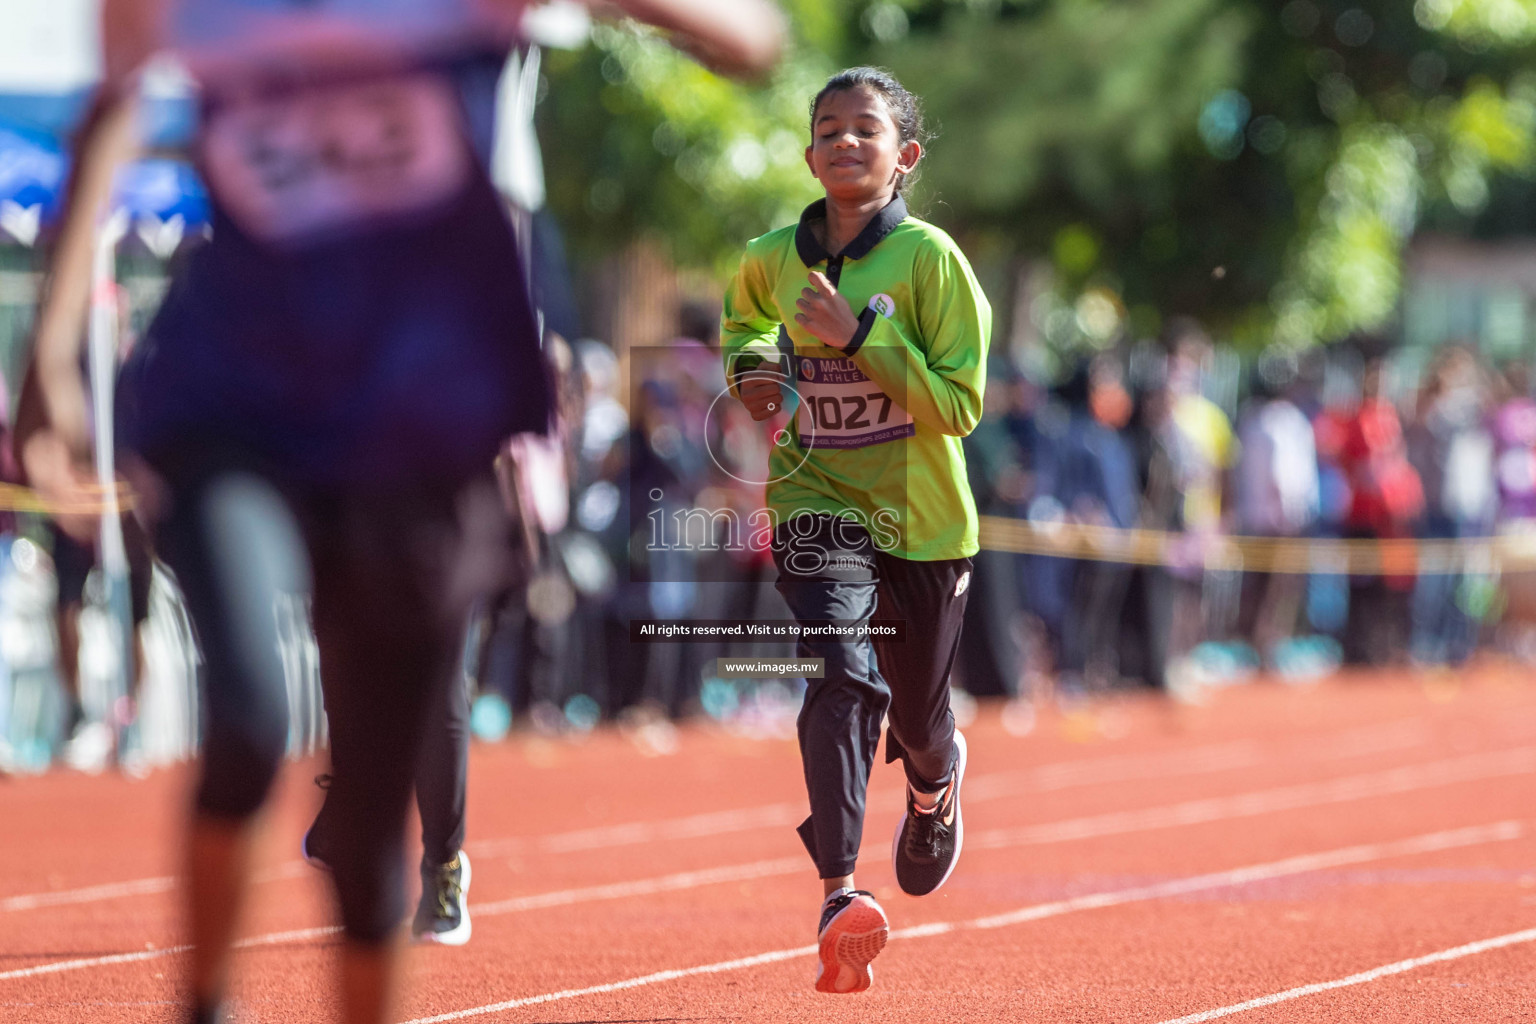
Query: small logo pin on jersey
x,y
962,583
883,304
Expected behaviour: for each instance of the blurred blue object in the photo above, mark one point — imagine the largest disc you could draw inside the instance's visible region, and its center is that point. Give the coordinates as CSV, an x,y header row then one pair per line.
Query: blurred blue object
x,y
582,712
162,189
32,175
1327,602
166,121
31,171
1225,664
43,115
1307,659
490,717
719,698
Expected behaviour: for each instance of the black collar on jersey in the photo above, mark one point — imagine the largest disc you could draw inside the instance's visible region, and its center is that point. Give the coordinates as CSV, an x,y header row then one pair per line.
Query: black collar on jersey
x,y
811,250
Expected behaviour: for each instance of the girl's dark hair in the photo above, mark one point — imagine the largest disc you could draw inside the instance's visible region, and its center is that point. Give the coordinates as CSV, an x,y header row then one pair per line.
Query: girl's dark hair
x,y
906,112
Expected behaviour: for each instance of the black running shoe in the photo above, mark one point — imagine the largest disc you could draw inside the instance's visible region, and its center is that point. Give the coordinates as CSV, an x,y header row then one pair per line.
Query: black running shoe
x,y
852,933
313,846
927,843
212,1013
442,916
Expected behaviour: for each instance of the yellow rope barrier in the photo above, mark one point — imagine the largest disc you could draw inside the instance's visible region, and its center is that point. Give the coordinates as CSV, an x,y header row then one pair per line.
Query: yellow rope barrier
x,y
1405,556
1399,556
14,498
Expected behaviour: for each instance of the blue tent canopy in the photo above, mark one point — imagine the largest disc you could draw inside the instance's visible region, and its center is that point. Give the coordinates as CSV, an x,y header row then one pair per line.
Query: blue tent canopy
x,y
168,122
163,189
33,171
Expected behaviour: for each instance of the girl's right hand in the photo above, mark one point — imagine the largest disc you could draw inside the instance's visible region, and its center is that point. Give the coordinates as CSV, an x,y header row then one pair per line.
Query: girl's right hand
x,y
761,394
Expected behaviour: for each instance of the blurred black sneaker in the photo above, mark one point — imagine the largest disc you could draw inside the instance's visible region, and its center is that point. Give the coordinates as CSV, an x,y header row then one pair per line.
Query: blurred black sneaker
x,y
442,916
927,843
213,1013
852,933
313,845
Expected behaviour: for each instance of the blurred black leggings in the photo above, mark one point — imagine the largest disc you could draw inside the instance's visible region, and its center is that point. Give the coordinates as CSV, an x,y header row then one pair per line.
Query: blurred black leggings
x,y
391,577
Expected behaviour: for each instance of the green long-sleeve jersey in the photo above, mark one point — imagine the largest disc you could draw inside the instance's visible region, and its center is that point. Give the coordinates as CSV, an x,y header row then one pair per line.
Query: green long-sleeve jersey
x,y
877,427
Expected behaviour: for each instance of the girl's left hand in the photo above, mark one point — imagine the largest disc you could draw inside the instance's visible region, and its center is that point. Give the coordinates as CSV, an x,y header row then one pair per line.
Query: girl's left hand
x,y
825,313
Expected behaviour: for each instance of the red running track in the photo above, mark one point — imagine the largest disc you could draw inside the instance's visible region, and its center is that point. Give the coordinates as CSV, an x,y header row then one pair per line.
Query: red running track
x,y
1363,850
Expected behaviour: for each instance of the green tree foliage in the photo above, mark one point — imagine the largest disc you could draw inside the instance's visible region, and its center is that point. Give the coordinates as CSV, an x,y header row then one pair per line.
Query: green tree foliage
x,y
651,144
1257,163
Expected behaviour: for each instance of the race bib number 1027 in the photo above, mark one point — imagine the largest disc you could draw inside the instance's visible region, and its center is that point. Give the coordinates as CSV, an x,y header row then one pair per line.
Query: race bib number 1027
x,y
336,156
840,407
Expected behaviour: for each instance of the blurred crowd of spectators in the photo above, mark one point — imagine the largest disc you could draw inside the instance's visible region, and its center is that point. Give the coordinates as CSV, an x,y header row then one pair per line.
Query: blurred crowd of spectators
x,y
648,442
1329,444
1159,436
1322,445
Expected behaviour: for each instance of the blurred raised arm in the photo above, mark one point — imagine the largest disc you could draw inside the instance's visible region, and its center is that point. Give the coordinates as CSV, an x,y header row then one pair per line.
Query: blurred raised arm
x,y
51,439
737,37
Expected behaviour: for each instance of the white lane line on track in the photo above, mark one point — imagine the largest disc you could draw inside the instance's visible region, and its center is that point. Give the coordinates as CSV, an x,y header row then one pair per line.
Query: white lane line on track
x,y
1374,739
59,966
1056,776
646,886
1059,775
118,890
1384,971
1395,781
564,897
270,939
1431,842
1392,782
1470,769
694,826
89,894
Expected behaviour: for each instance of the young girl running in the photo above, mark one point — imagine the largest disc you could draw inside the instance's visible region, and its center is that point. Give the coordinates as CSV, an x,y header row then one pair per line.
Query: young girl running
x,y
887,333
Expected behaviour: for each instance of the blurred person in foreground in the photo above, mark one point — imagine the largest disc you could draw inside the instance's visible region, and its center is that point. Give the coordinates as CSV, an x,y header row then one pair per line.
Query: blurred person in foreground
x,y
531,480
9,475
318,401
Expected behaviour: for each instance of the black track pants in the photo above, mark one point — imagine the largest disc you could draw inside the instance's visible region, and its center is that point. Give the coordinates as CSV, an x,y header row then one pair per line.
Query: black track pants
x,y
831,570
442,774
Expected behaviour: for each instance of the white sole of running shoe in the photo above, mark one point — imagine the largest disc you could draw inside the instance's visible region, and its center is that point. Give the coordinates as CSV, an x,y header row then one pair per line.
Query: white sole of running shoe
x,y
460,935
960,759
848,944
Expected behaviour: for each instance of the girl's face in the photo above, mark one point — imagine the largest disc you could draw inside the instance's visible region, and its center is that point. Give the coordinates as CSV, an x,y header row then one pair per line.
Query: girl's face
x,y
856,150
